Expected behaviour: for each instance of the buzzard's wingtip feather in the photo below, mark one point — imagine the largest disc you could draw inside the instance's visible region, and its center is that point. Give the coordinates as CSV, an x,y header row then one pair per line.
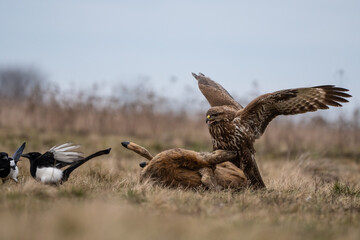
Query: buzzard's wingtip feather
x,y
195,76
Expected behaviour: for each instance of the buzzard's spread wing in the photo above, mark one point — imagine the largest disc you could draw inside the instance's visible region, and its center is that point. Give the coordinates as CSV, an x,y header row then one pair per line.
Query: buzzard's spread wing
x,y
215,94
263,109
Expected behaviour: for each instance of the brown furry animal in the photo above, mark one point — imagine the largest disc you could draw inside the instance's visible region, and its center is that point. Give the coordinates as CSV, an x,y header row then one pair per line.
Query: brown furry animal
x,y
185,168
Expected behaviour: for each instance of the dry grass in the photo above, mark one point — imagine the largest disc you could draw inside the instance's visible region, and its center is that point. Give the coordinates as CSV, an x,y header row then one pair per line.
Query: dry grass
x,y
307,197
311,170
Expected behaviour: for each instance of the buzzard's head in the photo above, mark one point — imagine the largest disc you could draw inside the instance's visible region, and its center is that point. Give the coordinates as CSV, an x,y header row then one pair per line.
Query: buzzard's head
x,y
220,114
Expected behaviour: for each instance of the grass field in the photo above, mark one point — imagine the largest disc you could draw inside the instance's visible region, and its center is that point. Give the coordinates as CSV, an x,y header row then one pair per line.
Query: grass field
x,y
311,169
307,197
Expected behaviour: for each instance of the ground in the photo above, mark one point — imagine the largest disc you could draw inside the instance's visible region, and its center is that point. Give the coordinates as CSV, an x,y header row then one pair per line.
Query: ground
x,y
308,196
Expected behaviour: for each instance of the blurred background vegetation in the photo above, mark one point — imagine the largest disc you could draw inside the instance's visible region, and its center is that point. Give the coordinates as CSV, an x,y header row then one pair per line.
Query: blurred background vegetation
x,y
31,105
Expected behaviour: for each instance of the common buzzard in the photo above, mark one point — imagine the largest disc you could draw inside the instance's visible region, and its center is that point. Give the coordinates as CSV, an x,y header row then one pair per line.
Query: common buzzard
x,y
235,128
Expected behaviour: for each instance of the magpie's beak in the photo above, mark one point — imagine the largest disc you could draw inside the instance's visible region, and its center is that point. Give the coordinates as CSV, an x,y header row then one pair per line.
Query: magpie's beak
x,y
26,155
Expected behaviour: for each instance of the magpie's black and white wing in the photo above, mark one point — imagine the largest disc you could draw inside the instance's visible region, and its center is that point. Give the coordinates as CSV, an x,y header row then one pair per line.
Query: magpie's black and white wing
x,y
16,156
64,153
60,156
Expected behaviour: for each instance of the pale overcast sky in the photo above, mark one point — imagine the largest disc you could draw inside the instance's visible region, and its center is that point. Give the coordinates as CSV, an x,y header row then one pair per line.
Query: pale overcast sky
x,y
281,44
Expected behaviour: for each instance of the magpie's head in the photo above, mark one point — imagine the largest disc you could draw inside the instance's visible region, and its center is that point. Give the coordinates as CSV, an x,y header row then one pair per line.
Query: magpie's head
x,y
31,155
4,156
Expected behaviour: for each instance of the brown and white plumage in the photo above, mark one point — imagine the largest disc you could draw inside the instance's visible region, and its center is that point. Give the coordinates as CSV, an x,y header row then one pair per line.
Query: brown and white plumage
x,y
215,94
259,112
234,128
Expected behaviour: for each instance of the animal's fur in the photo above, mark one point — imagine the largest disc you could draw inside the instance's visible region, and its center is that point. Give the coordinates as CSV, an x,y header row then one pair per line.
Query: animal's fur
x,y
180,167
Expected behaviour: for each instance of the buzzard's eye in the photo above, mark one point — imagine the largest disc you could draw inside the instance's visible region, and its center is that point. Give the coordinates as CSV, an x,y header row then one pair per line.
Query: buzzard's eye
x,y
215,114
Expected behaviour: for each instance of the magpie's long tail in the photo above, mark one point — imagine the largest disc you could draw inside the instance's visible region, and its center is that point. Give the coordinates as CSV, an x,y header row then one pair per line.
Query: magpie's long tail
x,y
77,164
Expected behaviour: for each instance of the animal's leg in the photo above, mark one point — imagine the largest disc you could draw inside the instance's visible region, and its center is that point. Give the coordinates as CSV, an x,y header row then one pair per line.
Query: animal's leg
x,y
138,149
251,169
218,156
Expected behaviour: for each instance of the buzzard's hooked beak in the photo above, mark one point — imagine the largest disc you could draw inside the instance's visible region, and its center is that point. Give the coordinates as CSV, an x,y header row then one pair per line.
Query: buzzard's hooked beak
x,y
208,121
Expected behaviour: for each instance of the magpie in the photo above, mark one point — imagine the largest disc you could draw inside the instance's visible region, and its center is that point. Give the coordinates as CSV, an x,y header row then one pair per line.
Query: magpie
x,y
8,165
47,167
